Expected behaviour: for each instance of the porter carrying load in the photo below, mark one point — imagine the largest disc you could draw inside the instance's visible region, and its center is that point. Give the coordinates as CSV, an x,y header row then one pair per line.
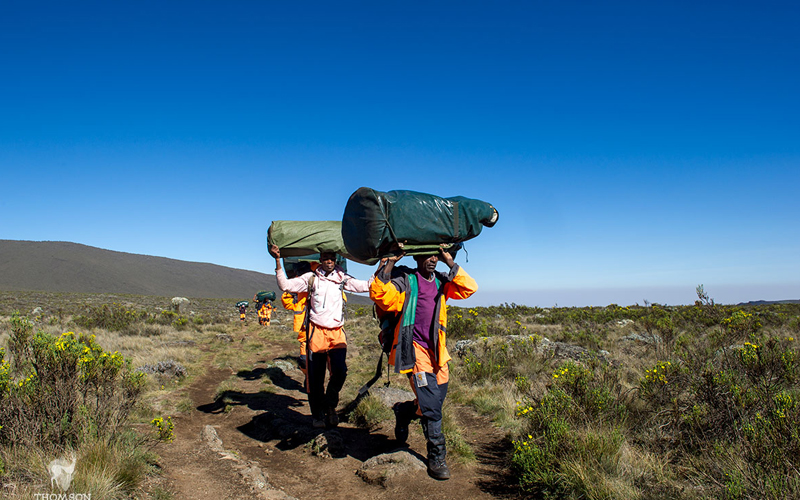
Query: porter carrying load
x,y
376,223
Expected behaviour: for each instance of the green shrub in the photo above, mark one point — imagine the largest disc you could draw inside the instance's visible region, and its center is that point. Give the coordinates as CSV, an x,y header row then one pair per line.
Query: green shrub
x,y
572,432
370,412
710,412
740,324
19,341
71,390
166,317
112,317
464,324
360,311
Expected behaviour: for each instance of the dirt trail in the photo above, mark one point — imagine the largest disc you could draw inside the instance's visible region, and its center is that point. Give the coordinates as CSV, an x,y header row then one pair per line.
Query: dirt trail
x,y
272,429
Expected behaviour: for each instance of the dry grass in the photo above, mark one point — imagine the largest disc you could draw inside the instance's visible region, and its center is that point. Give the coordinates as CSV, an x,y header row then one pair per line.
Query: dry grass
x,y
116,470
630,450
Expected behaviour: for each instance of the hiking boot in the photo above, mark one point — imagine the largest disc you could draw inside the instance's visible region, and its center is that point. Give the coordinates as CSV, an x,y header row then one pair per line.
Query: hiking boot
x,y
403,415
437,469
318,423
437,450
333,418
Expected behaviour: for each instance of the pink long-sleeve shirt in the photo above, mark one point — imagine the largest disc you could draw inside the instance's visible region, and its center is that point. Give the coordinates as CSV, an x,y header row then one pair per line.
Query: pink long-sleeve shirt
x,y
326,298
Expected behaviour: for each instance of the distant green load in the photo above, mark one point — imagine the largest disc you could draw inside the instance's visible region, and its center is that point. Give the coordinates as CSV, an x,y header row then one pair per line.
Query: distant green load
x,y
264,295
374,222
305,238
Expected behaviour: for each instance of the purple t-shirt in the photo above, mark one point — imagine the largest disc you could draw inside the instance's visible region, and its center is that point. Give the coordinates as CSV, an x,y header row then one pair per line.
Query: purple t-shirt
x,y
426,305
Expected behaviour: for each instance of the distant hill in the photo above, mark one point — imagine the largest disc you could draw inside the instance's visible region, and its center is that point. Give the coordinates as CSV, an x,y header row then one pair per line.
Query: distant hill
x,y
59,266
767,302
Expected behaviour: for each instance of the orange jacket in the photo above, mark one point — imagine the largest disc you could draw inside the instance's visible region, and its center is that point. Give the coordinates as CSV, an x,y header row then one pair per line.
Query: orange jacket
x,y
296,302
392,294
266,310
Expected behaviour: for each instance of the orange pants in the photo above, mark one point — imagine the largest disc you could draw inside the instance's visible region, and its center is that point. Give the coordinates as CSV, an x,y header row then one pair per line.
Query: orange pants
x,y
430,397
328,348
424,363
325,339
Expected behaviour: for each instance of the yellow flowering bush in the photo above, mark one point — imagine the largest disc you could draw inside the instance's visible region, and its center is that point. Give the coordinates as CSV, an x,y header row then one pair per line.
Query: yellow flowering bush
x,y
68,388
5,373
521,382
462,324
524,408
749,354
660,383
164,429
740,323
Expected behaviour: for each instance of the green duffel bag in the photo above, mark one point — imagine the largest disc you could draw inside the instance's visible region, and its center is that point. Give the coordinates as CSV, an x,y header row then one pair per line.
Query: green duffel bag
x,y
376,223
304,238
264,295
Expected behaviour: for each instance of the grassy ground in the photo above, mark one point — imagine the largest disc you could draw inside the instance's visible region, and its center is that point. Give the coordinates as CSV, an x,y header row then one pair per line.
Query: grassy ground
x,y
113,466
668,402
685,402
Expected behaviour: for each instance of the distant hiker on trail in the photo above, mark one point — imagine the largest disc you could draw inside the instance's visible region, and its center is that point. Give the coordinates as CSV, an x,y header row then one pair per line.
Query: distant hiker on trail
x,y
326,338
265,313
296,302
263,301
242,307
419,345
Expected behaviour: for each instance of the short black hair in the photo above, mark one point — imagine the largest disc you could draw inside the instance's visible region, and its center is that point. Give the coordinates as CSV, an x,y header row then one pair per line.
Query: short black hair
x,y
423,256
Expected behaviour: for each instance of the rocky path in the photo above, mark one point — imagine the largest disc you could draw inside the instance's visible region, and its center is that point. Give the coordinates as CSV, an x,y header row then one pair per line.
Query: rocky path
x,y
256,441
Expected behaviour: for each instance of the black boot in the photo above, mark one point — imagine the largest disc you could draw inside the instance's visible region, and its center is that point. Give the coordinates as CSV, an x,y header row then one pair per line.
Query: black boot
x,y
332,418
437,450
404,413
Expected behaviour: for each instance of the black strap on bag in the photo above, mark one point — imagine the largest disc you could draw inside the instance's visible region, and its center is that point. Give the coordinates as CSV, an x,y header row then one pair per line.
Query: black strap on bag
x,y
307,319
388,323
307,326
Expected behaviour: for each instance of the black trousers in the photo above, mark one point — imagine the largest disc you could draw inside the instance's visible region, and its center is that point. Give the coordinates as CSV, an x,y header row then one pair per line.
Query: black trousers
x,y
319,398
430,397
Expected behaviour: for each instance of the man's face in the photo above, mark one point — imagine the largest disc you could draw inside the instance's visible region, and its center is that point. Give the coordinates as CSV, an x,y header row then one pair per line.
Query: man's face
x,y
328,261
427,264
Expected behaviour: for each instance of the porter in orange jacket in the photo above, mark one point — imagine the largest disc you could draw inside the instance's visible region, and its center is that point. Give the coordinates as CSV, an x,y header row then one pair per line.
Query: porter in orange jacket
x,y
419,346
265,313
296,302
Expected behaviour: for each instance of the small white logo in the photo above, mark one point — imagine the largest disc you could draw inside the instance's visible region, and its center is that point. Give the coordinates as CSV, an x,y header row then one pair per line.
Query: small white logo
x,y
61,471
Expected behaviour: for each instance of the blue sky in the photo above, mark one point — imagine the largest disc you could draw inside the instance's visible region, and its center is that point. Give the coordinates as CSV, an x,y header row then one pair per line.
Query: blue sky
x,y
633,149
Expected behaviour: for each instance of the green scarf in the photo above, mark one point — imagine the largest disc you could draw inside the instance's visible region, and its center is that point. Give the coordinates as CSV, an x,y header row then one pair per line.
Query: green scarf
x,y
410,314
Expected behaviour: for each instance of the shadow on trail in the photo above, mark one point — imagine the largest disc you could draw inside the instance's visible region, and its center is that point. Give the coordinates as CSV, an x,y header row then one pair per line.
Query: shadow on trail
x,y
275,375
291,430
495,464
279,421
258,401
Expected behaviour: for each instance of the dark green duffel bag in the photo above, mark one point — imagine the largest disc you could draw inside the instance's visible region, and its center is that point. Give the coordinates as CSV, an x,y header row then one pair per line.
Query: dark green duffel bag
x,y
376,223
264,295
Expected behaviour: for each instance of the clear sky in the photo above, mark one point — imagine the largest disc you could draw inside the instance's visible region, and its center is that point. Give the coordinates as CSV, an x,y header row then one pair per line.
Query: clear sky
x,y
634,150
